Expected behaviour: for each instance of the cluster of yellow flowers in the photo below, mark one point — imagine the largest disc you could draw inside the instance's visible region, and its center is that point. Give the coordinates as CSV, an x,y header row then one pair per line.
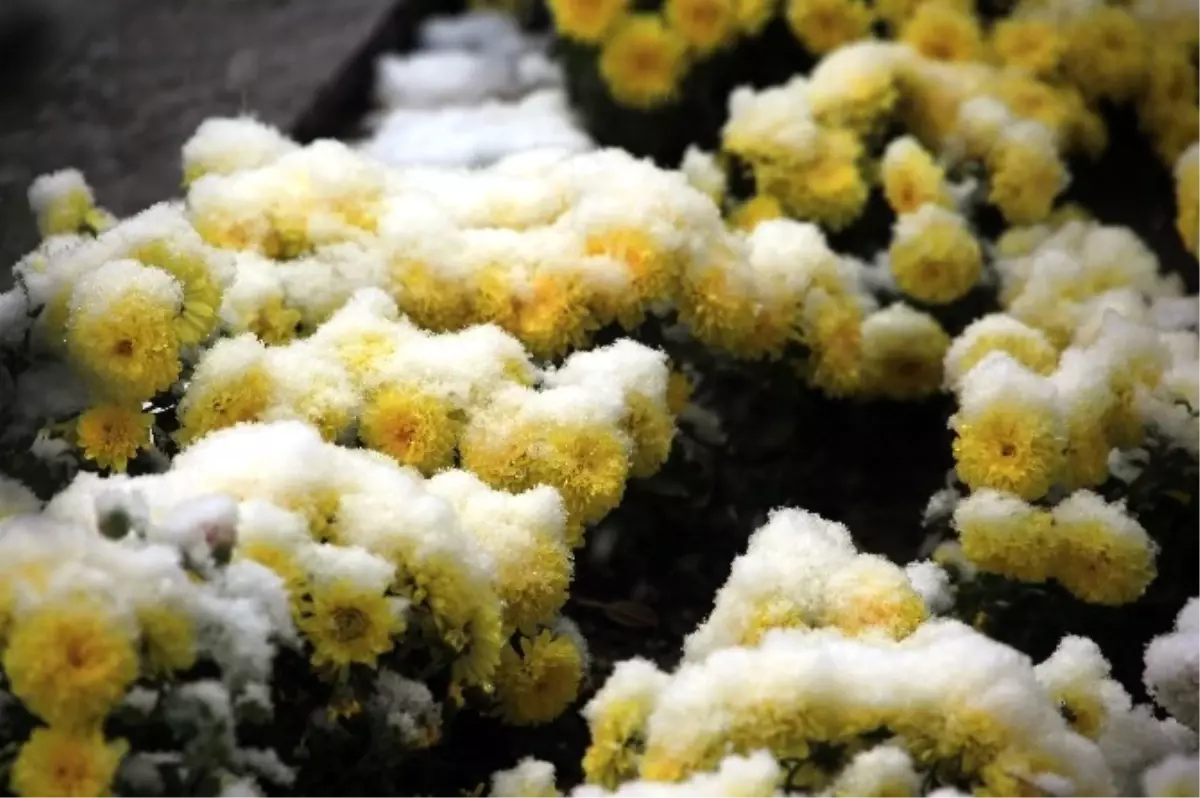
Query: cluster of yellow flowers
x,y
1012,103
802,572
1092,351
644,56
765,292
102,610
1046,60
264,534
547,249
349,357
808,144
431,400
124,309
391,433
865,697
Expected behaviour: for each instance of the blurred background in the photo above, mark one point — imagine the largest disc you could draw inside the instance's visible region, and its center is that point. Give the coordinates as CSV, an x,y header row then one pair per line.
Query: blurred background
x,y
114,87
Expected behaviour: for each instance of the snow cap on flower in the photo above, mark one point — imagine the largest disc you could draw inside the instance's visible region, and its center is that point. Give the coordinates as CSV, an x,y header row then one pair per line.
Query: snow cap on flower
x,y
1173,666
997,331
791,257
932,583
633,680
881,770
531,777
1178,774
633,367
703,172
774,120
223,145
1001,378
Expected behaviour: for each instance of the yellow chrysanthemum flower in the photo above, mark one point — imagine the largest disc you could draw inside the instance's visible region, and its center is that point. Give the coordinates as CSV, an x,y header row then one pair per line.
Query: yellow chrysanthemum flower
x,y
651,427
60,762
943,32
129,345
348,624
1103,555
466,614
706,25
112,434
587,21
903,351
1029,44
653,273
753,15
1001,534
933,256
759,208
716,312
279,559
537,684
1036,100
997,333
1086,396
773,612
1170,86
1010,447
1187,199
534,587
643,62
1012,771
414,427
63,204
168,639
1078,677
1106,54
826,187
617,728
70,662
555,317
433,301
240,398
873,595
912,178
822,26
201,292
589,466
274,323
1175,132
831,328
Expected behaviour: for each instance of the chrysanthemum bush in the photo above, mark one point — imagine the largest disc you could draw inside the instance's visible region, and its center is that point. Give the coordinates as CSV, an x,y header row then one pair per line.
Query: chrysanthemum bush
x,y
673,63
826,671
212,404
299,465
1071,356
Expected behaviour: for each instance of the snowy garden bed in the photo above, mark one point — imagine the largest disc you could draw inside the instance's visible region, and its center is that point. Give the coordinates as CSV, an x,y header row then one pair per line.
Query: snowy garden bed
x,y
854,456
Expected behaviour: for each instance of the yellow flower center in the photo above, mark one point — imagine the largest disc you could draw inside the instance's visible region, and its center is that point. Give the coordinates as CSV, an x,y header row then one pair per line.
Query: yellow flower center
x,y
349,624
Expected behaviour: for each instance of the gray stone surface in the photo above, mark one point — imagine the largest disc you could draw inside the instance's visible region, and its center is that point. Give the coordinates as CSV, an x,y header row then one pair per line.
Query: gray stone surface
x,y
114,87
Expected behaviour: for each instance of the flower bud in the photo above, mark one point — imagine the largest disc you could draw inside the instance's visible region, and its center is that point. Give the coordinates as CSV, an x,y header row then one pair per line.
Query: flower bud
x,y
118,513
204,527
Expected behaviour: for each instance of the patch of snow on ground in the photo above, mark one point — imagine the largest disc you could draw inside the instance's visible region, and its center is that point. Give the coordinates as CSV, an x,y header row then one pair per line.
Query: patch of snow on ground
x,y
477,90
